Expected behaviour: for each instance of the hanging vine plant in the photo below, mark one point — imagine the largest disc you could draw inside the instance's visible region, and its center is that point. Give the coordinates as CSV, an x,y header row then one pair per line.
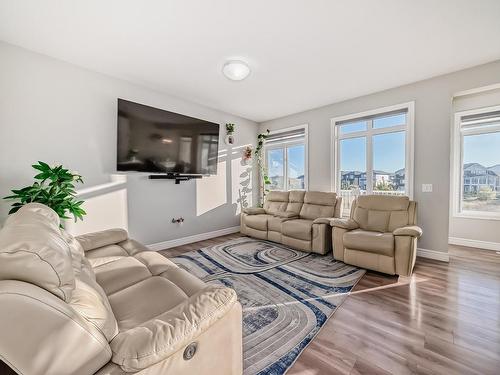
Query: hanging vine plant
x,y
264,178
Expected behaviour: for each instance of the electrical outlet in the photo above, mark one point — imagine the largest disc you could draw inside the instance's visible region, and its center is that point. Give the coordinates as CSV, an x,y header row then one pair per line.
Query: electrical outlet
x,y
426,188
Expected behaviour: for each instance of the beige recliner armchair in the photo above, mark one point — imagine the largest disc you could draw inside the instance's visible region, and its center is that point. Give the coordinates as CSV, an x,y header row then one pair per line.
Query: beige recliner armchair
x,y
104,304
380,234
296,218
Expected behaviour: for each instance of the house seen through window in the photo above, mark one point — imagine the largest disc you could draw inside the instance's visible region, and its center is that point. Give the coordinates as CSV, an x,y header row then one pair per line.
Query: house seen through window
x,y
285,153
480,174
372,155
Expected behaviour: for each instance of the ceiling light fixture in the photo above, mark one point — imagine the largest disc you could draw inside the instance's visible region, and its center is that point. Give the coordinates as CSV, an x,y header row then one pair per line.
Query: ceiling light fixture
x,y
236,70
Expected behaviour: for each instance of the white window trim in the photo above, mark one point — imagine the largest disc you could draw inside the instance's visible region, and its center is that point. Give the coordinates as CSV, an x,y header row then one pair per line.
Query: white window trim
x,y
410,142
457,157
280,145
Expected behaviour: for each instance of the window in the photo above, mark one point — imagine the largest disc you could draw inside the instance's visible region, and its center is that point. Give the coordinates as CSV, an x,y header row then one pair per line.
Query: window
x,y
286,158
477,163
373,153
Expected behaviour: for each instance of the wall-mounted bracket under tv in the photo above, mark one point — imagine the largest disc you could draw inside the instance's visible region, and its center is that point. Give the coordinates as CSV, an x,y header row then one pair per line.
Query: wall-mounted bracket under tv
x,y
173,176
166,144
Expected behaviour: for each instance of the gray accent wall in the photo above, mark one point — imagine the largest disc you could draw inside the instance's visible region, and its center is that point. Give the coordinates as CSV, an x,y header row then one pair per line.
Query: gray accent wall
x,y
57,112
433,116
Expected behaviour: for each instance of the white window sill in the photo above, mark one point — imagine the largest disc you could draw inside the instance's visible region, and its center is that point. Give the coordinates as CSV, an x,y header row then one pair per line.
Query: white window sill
x,y
477,215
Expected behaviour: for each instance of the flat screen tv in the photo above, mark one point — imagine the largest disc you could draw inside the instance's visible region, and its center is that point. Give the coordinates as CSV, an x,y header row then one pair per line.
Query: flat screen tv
x,y
157,141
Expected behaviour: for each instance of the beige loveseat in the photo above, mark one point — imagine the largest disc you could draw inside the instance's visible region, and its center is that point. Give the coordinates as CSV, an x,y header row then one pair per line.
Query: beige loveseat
x,y
296,218
380,234
104,304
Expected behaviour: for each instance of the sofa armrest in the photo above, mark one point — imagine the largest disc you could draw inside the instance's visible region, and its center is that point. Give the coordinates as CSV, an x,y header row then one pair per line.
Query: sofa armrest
x,y
348,224
286,214
409,230
323,220
159,338
91,241
254,211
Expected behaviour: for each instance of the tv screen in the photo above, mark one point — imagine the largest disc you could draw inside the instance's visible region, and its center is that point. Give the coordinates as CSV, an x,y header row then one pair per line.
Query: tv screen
x,y
157,141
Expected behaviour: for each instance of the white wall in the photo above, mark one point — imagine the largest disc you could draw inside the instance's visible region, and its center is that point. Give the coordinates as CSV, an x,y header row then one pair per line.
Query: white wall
x,y
106,207
54,111
57,112
433,110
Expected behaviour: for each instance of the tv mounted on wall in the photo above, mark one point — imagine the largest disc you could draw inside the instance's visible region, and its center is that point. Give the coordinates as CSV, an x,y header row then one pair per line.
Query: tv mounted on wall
x,y
157,141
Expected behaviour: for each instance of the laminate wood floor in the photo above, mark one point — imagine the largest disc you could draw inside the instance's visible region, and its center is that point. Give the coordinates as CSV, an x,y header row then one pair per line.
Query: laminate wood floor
x,y
444,319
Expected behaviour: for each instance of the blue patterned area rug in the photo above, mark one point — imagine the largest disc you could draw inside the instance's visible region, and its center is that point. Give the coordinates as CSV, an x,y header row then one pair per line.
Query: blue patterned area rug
x,y
287,295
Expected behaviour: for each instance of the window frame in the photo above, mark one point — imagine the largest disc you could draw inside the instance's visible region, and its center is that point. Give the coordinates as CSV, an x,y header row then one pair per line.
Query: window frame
x,y
457,158
409,129
284,145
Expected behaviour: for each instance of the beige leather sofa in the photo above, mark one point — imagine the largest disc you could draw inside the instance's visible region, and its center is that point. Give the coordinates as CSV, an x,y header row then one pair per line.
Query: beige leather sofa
x,y
380,234
104,304
296,218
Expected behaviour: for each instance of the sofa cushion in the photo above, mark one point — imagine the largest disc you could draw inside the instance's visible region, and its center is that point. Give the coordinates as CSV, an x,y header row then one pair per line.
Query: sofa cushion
x,y
297,228
378,220
274,223
120,273
145,300
318,204
372,220
383,202
398,219
184,280
375,242
295,201
276,201
258,222
155,262
32,249
381,213
132,247
90,301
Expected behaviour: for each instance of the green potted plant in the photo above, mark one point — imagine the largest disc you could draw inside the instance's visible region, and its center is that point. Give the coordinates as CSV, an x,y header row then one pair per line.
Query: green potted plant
x,y
54,187
229,133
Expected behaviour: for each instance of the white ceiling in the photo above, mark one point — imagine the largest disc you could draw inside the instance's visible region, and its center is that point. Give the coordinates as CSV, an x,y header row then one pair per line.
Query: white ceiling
x,y
303,54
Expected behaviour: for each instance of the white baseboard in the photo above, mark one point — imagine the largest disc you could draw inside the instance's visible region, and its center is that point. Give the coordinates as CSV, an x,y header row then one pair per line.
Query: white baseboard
x,y
194,238
433,254
494,246
424,253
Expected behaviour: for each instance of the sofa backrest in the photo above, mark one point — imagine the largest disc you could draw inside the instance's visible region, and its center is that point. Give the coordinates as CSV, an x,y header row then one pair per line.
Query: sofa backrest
x,y
276,201
383,213
46,278
318,204
295,201
32,250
